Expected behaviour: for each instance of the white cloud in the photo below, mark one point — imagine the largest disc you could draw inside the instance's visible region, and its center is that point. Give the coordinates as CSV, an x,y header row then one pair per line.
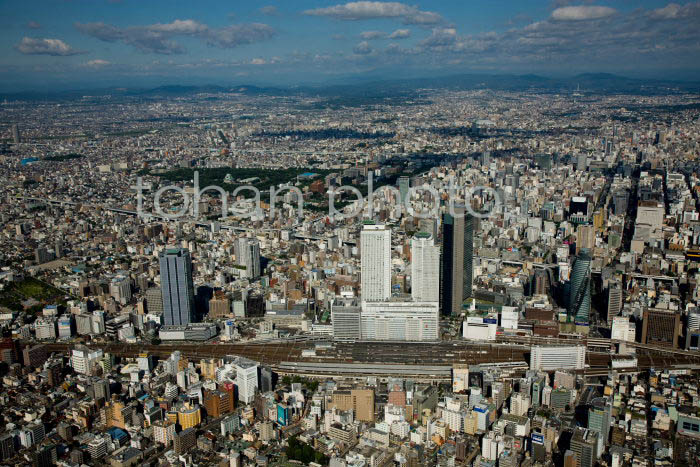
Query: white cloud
x,y
369,35
400,34
670,11
158,38
258,61
582,12
33,25
56,47
97,63
184,27
354,11
269,10
363,48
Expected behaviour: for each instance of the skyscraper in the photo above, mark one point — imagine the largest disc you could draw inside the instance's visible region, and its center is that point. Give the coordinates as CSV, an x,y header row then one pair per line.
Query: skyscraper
x,y
425,268
176,286
246,379
375,261
584,444
599,420
580,295
457,260
661,327
614,300
468,256
404,185
16,137
249,251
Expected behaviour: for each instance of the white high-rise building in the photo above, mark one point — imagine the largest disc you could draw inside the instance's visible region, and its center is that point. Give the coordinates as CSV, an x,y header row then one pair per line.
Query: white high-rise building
x,y
84,360
453,416
98,322
249,251
163,432
425,268
375,261
45,328
246,379
400,320
557,357
623,329
519,404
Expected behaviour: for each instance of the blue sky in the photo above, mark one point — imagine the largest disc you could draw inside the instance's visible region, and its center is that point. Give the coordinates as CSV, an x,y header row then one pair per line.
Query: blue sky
x,y
70,43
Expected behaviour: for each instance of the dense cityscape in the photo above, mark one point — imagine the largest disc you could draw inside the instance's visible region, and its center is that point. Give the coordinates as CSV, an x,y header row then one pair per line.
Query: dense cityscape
x,y
364,234
548,317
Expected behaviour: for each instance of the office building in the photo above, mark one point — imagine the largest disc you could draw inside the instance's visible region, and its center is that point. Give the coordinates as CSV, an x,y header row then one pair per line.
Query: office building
x,y
557,358
189,416
346,319
177,287
540,284
218,403
16,136
246,379
599,416
584,445
457,260
154,301
7,446
614,300
163,432
249,257
361,401
661,327
622,329
404,185
97,448
580,291
45,328
692,335
375,262
585,237
84,360
425,268
400,320
185,440
219,306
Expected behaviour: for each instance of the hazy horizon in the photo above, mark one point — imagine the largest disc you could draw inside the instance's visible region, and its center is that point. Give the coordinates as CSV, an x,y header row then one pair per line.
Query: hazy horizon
x,y
79,44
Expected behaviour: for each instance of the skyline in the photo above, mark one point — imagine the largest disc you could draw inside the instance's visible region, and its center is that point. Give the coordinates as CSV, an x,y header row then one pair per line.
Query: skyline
x,y
69,44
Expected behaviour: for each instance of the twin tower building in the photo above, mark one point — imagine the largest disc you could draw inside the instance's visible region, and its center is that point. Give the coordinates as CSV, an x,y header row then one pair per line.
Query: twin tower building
x,y
441,279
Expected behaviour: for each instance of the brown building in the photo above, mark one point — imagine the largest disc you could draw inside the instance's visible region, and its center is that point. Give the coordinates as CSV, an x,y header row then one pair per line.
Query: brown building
x,y
661,327
359,400
618,436
570,459
35,356
217,403
546,328
54,373
9,350
219,306
117,414
540,314
185,440
397,398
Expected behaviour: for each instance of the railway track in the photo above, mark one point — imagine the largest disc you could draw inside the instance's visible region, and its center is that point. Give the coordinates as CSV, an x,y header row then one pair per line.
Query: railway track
x,y
436,353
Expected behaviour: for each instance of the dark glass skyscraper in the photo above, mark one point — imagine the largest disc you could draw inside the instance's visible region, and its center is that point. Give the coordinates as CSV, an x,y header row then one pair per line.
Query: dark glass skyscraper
x,y
468,256
176,286
580,295
456,260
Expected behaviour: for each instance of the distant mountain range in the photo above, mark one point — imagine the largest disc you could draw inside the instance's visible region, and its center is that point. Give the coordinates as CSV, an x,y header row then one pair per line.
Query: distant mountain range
x,y
587,83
